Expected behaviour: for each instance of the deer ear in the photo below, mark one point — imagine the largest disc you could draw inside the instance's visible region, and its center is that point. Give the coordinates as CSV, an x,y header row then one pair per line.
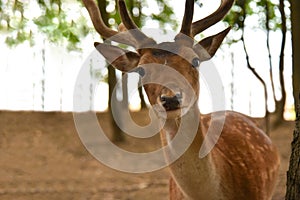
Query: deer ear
x,y
210,44
119,58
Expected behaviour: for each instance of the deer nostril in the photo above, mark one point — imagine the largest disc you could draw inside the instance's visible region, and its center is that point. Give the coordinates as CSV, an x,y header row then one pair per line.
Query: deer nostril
x,y
163,98
171,103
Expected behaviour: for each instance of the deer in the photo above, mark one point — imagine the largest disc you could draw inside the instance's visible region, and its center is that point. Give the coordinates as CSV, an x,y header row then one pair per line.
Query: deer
x,y
244,163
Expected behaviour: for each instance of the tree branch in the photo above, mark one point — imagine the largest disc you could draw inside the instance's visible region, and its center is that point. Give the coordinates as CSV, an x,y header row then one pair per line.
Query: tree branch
x,y
253,69
267,13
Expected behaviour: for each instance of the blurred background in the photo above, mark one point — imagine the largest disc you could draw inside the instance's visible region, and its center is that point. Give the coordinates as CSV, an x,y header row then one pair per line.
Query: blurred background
x,y
45,43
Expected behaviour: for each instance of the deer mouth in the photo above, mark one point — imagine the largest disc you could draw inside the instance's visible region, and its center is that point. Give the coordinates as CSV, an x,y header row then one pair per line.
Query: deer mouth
x,y
170,106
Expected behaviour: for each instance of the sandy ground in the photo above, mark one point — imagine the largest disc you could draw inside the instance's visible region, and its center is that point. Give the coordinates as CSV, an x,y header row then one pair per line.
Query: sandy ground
x,y
41,157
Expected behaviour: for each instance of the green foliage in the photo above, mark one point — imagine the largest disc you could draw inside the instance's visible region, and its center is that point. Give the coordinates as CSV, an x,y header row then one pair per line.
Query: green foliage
x,y
58,26
165,16
19,38
55,25
262,9
53,22
12,20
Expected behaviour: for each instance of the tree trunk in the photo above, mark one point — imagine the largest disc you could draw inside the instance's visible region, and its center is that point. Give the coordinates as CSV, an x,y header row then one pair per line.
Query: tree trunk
x,y
250,67
143,103
293,175
295,16
138,21
125,90
117,135
280,104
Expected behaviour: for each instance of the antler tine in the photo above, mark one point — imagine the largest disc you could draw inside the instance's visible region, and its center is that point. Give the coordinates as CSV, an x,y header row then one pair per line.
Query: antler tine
x,y
139,36
203,24
187,18
100,26
126,19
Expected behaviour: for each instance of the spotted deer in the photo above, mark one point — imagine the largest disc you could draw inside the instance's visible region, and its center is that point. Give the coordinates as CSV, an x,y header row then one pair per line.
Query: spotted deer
x,y
243,164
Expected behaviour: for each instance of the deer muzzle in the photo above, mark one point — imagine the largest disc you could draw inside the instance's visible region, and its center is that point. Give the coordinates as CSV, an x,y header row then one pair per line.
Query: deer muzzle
x,y
171,102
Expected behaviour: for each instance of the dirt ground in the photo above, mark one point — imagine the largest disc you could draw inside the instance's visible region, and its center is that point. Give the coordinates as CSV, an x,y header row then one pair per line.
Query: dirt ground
x,y
41,157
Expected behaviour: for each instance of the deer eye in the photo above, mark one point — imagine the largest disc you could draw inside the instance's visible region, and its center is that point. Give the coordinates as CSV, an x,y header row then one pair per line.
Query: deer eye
x,y
196,62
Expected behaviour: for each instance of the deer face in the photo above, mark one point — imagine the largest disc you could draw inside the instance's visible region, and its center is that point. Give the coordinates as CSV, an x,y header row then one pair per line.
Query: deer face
x,y
170,69
171,75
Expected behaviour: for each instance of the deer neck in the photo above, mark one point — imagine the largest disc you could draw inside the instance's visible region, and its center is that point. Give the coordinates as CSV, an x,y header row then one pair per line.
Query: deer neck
x,y
181,125
195,176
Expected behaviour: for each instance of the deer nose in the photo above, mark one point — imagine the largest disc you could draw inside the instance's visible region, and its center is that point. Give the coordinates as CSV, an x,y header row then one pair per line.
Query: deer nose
x,y
171,103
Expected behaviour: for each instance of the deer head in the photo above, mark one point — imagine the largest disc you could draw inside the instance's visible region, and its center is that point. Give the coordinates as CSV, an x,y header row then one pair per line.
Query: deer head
x,y
182,55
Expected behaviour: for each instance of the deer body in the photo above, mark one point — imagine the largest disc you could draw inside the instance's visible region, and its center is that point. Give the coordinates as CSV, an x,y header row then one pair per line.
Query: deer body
x,y
244,163
236,168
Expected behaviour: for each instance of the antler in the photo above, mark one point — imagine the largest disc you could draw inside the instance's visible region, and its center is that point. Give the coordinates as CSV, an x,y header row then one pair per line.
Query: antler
x,y
96,18
184,36
187,18
191,29
203,24
138,35
138,38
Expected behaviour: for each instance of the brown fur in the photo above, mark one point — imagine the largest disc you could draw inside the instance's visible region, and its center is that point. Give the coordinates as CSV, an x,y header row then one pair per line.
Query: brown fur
x,y
244,163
